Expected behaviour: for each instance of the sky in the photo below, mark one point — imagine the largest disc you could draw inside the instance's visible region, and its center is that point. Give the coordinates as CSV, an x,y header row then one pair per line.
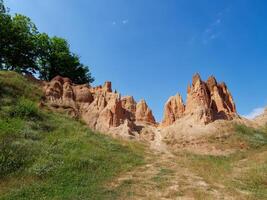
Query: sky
x,y
150,49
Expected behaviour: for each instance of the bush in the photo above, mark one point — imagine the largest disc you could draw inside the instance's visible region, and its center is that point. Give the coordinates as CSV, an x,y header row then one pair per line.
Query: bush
x,y
10,128
44,167
25,109
255,137
13,156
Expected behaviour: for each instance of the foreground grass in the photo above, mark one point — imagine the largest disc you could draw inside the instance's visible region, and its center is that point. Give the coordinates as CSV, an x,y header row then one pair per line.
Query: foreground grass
x,y
44,155
242,174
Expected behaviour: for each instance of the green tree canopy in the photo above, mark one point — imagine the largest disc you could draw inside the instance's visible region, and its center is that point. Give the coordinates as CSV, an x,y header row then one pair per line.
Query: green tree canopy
x,y
2,7
57,59
24,49
22,56
5,37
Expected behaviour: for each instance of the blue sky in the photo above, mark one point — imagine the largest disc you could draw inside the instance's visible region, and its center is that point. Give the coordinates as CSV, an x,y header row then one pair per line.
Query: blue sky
x,y
151,48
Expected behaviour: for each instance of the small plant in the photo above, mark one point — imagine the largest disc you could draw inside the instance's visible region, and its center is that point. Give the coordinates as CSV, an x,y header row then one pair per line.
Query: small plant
x,y
44,167
256,138
13,156
10,128
25,109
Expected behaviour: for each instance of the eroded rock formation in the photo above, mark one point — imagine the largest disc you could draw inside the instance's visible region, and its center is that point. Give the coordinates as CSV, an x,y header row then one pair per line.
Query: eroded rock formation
x,y
106,111
143,113
206,102
98,106
174,109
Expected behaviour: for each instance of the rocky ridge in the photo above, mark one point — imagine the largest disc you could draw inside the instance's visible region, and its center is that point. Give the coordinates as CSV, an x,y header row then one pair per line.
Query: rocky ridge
x,y
206,102
106,111
99,107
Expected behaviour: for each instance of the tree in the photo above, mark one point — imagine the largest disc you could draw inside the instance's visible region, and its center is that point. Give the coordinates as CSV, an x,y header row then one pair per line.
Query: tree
x,y
2,7
25,50
55,58
17,42
5,37
23,54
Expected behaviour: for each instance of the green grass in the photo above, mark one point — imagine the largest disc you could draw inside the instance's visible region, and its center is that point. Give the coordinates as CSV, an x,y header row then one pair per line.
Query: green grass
x,y
44,155
254,180
256,138
163,175
245,170
212,168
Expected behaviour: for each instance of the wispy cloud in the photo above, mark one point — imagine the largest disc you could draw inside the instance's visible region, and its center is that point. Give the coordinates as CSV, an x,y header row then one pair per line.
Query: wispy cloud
x,y
254,113
123,22
217,22
213,30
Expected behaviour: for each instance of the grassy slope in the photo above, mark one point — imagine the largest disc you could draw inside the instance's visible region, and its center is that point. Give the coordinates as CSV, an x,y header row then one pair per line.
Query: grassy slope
x,y
239,175
44,155
242,174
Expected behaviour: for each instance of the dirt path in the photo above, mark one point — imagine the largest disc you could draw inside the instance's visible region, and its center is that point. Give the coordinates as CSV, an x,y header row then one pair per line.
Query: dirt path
x,y
168,176
163,177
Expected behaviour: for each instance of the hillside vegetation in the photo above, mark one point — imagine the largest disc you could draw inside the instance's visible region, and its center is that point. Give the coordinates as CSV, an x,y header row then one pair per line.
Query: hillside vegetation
x,y
26,50
240,174
47,155
44,155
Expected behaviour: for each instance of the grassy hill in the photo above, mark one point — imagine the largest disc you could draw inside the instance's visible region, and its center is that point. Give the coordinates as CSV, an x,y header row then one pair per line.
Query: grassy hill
x,y
44,155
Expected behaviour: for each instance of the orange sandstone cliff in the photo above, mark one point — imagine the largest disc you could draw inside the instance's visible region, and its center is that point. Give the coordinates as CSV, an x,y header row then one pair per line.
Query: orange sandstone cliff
x,y
206,102
99,107
106,111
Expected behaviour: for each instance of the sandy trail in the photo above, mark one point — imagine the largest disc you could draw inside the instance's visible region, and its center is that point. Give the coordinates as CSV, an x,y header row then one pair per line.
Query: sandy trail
x,y
164,177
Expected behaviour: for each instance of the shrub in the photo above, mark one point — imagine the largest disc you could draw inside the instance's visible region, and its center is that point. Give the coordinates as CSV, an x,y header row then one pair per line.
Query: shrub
x,y
45,167
13,156
10,128
255,137
25,109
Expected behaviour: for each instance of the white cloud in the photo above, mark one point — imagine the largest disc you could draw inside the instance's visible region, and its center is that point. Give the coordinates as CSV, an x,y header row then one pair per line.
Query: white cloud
x,y
125,21
254,113
213,30
213,36
218,21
